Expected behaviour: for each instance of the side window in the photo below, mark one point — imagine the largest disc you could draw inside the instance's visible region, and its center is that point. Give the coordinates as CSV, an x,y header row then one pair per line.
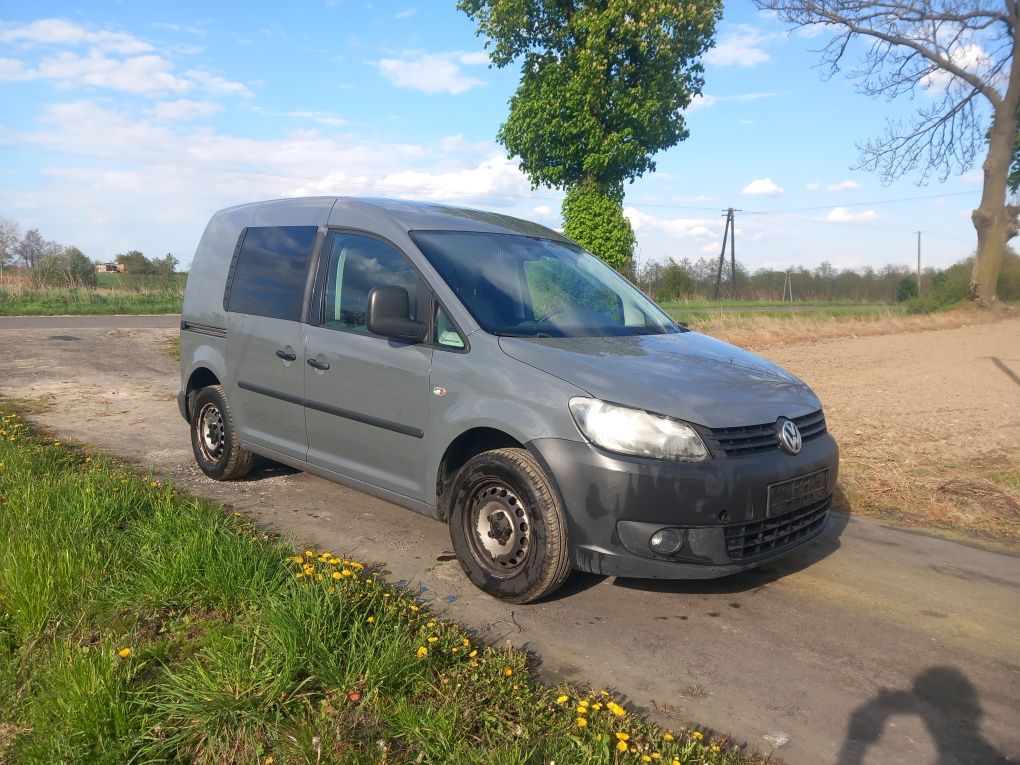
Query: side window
x,y
357,265
269,275
447,334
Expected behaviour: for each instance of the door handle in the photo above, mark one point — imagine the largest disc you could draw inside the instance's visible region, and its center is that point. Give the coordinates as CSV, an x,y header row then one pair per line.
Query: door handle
x,y
318,364
286,356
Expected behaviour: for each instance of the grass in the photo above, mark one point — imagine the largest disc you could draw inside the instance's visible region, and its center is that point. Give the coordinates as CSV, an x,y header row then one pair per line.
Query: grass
x,y
143,295
138,624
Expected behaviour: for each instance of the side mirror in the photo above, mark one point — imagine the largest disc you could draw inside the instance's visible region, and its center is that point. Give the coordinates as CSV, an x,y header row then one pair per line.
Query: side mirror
x,y
389,309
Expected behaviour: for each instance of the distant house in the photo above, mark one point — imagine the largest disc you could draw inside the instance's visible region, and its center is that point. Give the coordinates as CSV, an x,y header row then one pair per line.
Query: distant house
x,y
110,268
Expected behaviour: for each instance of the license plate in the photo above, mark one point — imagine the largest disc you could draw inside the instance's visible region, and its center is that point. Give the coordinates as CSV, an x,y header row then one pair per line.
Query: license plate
x,y
797,493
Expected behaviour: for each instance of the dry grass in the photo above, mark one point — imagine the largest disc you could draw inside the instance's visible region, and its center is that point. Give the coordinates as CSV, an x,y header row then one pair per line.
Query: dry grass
x,y
968,499
759,332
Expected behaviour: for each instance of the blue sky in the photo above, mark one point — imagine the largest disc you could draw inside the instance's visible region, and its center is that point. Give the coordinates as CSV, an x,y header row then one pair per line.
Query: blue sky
x,y
125,125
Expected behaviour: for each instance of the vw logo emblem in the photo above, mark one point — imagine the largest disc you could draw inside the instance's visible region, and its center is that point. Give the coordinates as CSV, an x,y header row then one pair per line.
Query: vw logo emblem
x,y
789,437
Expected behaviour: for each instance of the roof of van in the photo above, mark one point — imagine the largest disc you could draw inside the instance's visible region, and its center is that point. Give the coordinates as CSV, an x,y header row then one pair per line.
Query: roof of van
x,y
411,215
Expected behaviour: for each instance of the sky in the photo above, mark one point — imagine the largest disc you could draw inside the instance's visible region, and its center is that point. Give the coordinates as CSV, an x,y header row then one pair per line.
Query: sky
x,y
125,125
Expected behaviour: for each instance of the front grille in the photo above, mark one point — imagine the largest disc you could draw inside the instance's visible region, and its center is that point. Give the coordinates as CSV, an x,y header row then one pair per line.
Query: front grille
x,y
749,540
760,439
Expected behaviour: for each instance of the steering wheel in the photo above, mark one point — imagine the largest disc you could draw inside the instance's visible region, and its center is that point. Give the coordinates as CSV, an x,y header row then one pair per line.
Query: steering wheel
x,y
554,312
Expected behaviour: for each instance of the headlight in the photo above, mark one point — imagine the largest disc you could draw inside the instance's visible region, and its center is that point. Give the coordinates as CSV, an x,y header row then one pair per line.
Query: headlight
x,y
632,431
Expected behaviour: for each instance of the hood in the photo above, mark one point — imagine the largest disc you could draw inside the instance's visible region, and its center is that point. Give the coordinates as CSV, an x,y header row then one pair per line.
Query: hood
x,y
685,375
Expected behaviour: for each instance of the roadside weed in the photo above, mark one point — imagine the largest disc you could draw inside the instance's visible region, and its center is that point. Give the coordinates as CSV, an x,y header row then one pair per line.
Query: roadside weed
x,y
138,624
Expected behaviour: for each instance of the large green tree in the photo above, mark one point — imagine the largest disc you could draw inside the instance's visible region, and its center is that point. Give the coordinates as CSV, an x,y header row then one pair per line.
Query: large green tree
x,y
603,87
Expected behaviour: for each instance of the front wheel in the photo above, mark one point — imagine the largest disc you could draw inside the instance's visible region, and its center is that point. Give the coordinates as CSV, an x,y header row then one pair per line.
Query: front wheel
x,y
213,439
508,527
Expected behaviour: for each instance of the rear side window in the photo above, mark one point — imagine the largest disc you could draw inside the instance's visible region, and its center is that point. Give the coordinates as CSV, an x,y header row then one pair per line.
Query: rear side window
x,y
269,275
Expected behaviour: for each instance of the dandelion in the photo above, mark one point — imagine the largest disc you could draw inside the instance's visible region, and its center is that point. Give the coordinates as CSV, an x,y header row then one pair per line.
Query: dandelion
x,y
668,737
562,699
473,654
645,758
124,653
336,575
656,756
433,639
465,642
616,709
581,722
431,624
299,575
370,620
309,554
269,760
596,706
623,736
621,746
298,559
422,652
697,735
715,748
415,608
507,671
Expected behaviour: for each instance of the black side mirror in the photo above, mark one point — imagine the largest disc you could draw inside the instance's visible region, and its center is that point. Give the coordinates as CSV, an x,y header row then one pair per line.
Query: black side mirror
x,y
389,310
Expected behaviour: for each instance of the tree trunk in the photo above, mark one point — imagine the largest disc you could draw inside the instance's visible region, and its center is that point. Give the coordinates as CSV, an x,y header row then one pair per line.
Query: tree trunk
x,y
992,218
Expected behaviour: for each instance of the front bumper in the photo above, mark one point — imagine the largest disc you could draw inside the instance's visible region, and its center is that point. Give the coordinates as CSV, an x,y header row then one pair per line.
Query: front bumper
x,y
614,503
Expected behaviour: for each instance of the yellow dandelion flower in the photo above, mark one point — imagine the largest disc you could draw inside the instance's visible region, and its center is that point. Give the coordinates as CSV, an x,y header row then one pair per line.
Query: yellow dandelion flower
x,y
621,746
581,722
716,748
318,577
465,642
473,654
369,581
656,756
336,574
124,653
415,608
668,737
562,699
645,758
298,559
370,620
507,671
596,706
616,709
309,554
697,735
433,638
332,589
422,652
299,575
675,762
623,736
269,760
431,624
604,693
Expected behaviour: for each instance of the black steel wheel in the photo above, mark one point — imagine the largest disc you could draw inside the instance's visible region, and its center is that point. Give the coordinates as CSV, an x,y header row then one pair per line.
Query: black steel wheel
x,y
508,527
213,440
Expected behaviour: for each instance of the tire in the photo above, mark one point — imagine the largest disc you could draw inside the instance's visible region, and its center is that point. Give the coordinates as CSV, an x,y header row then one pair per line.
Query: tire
x,y
508,527
213,438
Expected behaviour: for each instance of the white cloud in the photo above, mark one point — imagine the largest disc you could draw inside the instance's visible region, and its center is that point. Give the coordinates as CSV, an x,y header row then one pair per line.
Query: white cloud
x,y
183,109
322,118
762,187
843,186
678,228
812,186
216,84
12,70
968,56
844,215
706,100
63,33
405,14
741,47
433,72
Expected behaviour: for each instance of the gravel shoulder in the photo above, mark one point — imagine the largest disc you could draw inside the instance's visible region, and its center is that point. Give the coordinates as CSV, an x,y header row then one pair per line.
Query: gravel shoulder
x,y
879,643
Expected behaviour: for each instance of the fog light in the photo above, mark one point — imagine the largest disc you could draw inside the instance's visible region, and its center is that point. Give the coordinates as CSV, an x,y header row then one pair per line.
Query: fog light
x,y
666,541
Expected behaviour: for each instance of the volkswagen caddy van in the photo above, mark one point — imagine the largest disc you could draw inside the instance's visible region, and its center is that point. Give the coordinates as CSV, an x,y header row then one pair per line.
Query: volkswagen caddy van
x,y
490,373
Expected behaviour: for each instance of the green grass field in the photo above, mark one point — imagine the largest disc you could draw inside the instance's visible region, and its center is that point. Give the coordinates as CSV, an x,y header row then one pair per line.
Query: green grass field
x,y
138,624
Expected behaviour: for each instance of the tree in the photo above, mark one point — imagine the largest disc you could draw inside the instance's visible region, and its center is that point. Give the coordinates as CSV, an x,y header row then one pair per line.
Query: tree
x,y
906,289
603,87
959,55
10,233
674,283
165,266
64,267
31,248
135,262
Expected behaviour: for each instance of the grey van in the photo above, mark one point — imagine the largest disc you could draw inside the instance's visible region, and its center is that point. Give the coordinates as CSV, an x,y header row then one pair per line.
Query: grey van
x,y
490,373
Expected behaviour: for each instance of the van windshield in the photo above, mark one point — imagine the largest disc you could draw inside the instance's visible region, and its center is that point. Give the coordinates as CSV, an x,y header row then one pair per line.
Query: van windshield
x,y
523,286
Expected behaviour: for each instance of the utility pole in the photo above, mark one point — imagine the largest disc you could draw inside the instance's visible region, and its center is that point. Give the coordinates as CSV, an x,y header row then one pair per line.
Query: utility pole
x,y
730,232
918,262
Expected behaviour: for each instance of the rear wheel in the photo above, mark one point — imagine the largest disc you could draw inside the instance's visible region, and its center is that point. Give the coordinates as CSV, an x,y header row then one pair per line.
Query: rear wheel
x,y
217,450
508,527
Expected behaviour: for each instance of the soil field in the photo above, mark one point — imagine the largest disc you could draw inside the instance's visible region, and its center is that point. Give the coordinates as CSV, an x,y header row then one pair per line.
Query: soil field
x,y
811,655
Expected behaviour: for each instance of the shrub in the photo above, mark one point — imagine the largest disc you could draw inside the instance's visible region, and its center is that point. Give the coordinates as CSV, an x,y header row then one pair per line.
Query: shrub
x,y
66,268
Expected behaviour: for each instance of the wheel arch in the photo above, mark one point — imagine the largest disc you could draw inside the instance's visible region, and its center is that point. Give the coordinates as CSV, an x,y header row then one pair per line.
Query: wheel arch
x,y
468,444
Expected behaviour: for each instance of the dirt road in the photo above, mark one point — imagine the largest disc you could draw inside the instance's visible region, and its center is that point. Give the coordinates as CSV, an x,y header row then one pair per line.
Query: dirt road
x,y
876,644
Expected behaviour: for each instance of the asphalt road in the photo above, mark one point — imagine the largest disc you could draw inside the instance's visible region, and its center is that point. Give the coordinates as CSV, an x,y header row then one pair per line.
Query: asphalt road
x,y
874,645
